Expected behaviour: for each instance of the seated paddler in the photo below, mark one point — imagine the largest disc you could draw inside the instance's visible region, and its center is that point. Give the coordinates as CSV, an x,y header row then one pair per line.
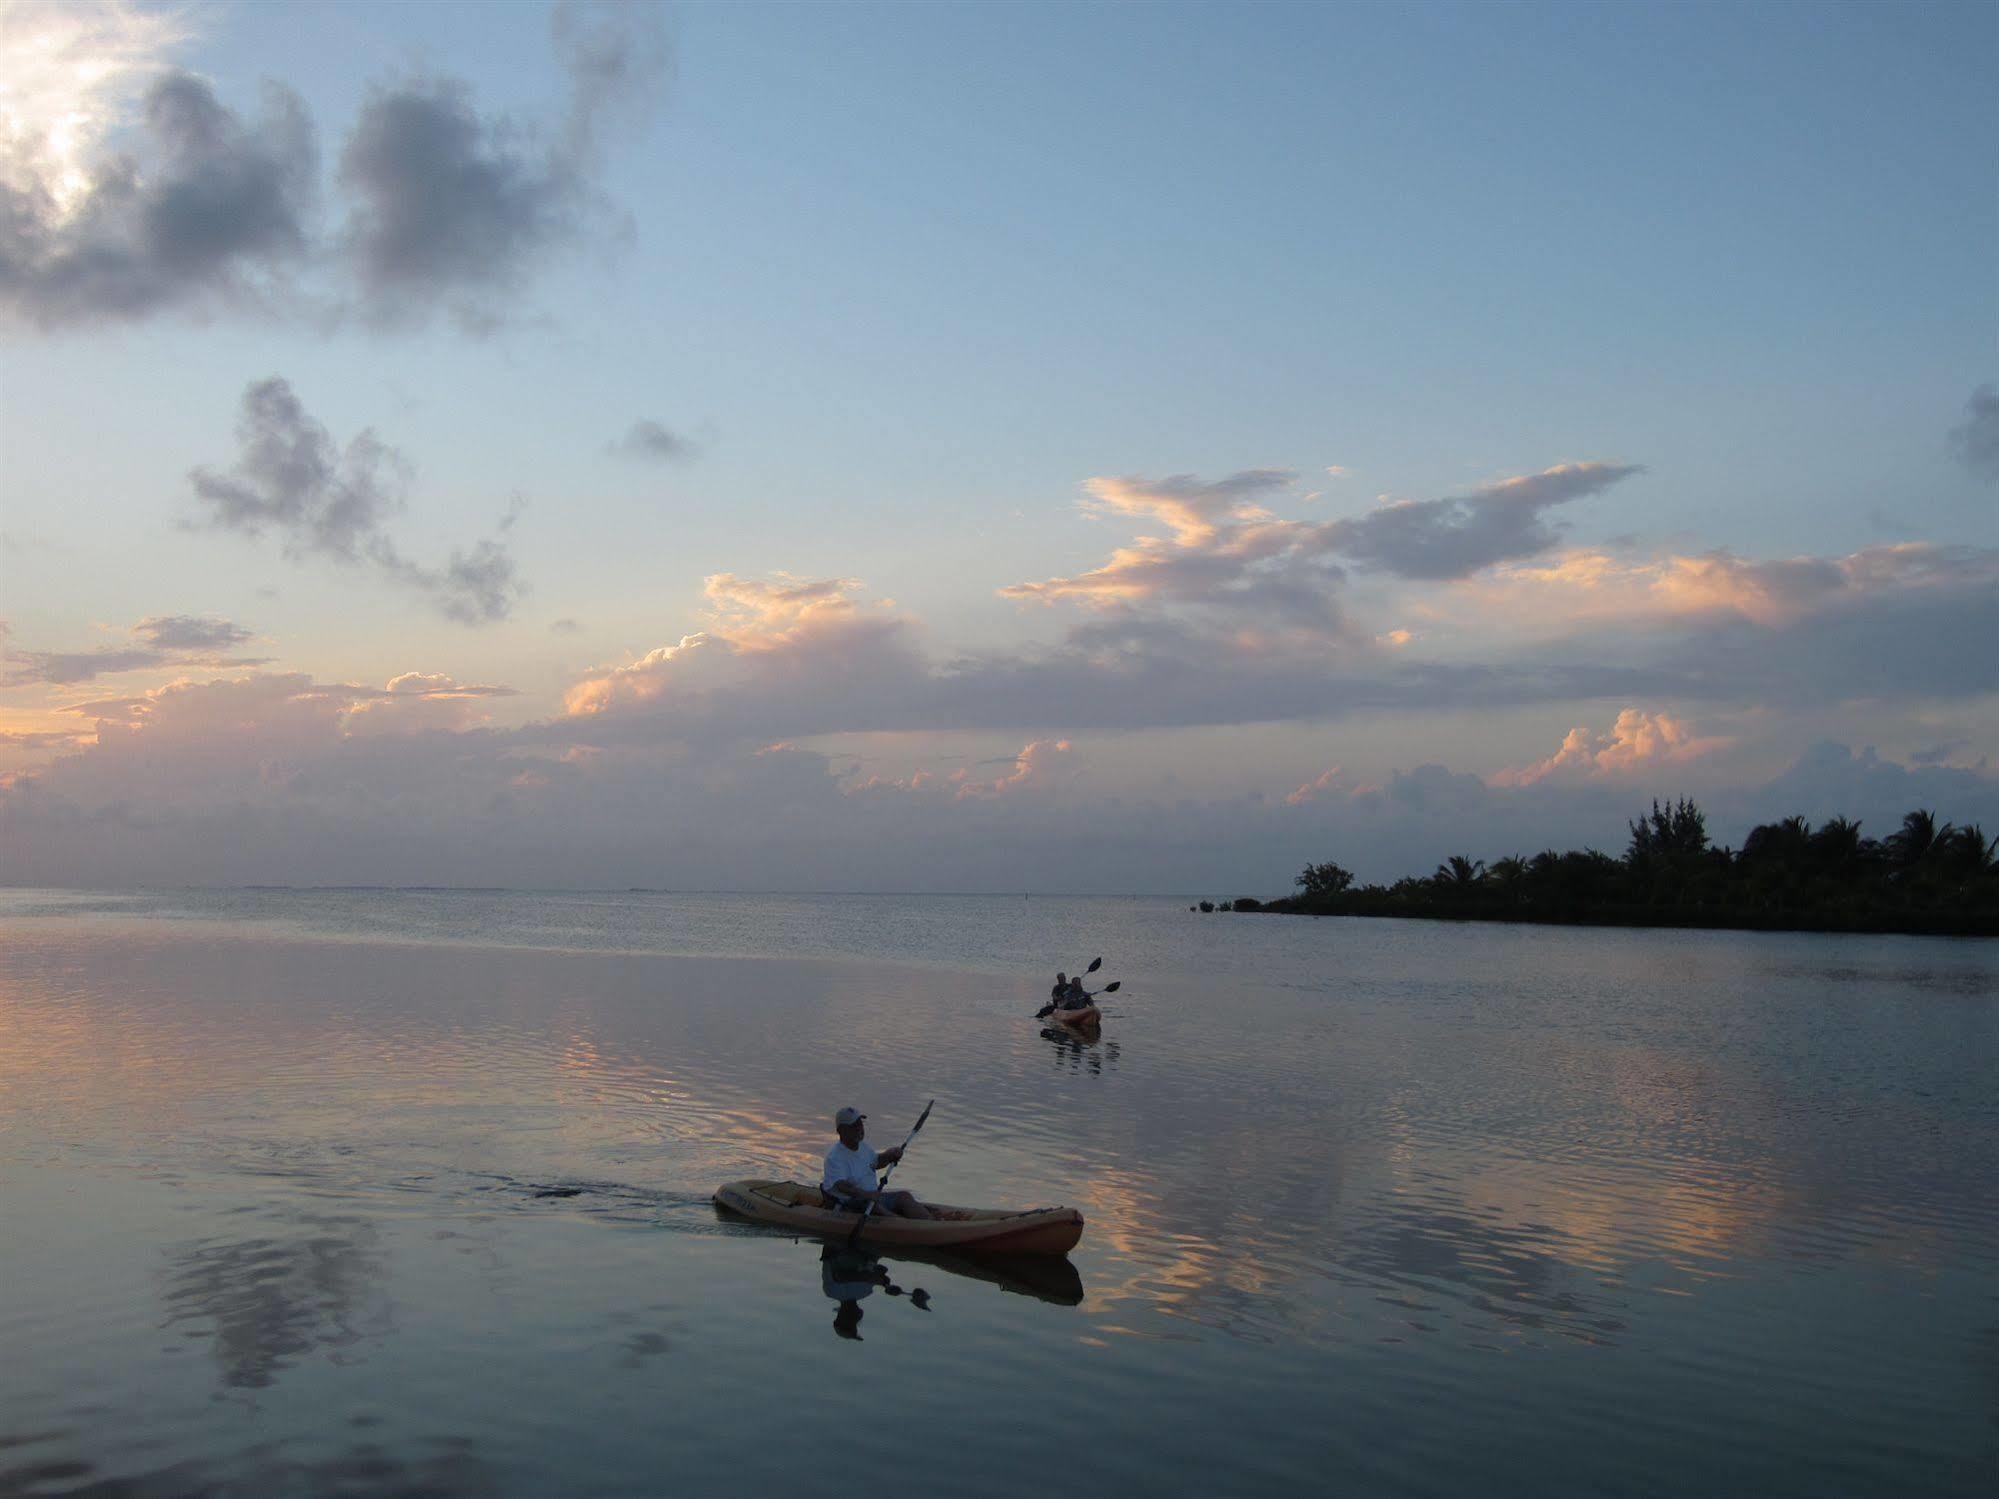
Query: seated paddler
x,y
849,1177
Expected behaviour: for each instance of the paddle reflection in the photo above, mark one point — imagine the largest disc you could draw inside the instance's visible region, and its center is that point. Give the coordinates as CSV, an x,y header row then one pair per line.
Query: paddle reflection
x,y
850,1276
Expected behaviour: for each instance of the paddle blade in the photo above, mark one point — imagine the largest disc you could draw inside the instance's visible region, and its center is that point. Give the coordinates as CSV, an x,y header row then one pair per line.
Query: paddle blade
x,y
1045,1011
1110,988
1095,964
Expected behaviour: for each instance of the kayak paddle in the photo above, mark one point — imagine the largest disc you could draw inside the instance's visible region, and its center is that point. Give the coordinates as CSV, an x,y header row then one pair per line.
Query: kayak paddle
x,y
868,1207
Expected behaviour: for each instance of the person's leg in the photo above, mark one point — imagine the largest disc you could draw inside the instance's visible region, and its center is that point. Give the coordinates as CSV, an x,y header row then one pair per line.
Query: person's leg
x,y
904,1205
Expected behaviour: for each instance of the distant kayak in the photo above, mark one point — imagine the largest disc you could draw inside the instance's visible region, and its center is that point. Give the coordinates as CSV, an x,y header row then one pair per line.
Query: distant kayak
x,y
1086,1019
796,1206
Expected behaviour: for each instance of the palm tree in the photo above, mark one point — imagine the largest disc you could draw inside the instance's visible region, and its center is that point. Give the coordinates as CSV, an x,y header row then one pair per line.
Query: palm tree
x,y
1459,873
1966,851
1916,838
1836,843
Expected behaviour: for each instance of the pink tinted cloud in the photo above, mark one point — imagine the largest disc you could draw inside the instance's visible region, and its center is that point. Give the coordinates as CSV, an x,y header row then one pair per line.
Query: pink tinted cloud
x,y
1590,583
1222,549
1041,765
1312,790
1637,742
767,636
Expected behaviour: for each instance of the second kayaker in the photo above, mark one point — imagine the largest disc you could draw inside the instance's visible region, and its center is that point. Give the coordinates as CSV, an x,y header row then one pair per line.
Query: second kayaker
x,y
849,1175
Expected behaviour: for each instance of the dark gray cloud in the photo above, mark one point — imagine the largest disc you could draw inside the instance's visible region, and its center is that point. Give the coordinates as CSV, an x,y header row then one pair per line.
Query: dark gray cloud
x,y
191,632
291,480
455,209
212,212
62,668
617,60
165,640
446,208
1454,538
1975,440
650,441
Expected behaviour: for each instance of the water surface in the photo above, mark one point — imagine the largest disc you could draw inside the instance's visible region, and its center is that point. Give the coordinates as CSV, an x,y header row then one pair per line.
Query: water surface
x,y
329,1192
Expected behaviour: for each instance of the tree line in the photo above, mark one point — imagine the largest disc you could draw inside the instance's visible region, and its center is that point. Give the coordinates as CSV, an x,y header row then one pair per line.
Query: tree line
x,y
1926,876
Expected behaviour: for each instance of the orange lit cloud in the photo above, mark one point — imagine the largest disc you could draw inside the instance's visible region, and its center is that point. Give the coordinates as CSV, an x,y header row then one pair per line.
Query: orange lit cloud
x,y
1638,741
1041,764
1593,584
1314,789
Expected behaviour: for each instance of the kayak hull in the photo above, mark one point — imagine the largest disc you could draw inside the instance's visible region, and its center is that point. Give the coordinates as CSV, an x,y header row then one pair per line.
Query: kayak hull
x,y
1086,1019
794,1206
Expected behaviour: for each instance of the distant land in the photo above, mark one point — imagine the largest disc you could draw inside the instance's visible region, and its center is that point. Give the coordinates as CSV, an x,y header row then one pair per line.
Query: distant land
x,y
1926,877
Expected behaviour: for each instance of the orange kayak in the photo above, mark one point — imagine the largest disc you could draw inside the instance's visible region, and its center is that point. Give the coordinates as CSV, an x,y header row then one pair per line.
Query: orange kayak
x,y
1086,1019
796,1206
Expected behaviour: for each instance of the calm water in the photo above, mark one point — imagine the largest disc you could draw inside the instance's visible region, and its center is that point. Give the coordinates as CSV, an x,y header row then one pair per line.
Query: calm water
x,y
378,1192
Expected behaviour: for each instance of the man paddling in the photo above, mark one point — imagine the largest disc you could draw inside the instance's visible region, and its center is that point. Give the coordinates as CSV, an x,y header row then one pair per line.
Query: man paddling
x,y
849,1176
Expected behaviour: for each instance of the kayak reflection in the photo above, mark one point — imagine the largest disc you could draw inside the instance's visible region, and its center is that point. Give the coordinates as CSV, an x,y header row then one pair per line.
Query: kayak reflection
x,y
1081,1049
850,1276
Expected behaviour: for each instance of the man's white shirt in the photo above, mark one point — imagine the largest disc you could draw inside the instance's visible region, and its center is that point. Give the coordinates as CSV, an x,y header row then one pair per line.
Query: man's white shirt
x,y
854,1168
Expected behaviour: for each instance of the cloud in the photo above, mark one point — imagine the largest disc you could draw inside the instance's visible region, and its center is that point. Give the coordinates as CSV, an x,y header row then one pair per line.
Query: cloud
x,y
1227,555
1895,623
784,656
290,479
283,778
1041,765
1224,553
648,441
446,209
62,668
1594,584
212,212
1638,742
455,210
420,702
41,739
176,640
1323,784
190,632
1975,440
1453,538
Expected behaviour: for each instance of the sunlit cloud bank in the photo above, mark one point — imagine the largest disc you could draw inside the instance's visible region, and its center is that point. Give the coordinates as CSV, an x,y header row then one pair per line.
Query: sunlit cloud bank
x,y
702,763
280,778
444,210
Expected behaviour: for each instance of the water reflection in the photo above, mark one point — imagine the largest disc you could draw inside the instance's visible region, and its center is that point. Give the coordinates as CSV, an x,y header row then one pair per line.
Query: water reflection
x,y
849,1277
266,1302
1081,1050
1775,1165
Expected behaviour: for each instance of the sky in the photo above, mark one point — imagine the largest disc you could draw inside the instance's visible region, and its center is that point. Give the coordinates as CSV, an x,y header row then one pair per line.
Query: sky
x,y
1049,448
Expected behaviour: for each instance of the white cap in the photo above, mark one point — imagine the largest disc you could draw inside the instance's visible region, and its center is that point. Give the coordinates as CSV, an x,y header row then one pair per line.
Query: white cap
x,y
848,1116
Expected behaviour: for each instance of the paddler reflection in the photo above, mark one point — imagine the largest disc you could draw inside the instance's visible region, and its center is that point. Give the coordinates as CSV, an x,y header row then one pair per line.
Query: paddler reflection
x,y
849,1277
1080,1050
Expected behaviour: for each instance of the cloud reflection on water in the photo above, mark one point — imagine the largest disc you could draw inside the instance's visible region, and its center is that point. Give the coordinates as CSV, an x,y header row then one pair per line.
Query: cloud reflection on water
x,y
265,1303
